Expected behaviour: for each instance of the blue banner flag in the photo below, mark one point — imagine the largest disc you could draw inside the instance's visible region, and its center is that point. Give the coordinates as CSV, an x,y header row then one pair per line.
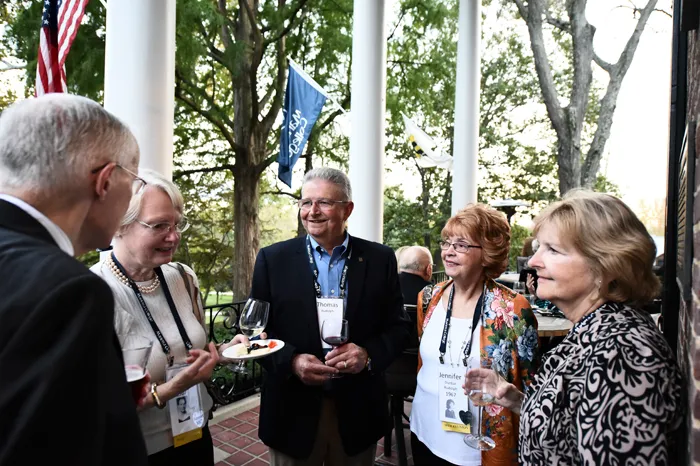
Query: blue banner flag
x,y
303,102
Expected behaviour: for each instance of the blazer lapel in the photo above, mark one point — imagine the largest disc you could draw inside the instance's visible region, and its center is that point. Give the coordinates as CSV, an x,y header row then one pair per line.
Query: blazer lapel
x,y
357,269
15,219
306,290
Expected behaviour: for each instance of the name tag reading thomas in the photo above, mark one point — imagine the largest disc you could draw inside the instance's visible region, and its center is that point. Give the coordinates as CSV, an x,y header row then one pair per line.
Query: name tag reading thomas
x,y
329,308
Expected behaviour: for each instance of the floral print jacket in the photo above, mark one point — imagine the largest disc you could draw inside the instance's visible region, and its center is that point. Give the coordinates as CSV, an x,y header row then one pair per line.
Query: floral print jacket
x,y
509,336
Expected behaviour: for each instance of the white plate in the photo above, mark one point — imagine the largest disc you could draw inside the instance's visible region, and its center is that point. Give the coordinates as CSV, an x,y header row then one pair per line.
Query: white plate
x,y
232,351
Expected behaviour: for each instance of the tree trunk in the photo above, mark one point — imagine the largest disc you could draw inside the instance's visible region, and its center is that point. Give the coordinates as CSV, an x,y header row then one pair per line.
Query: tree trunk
x,y
308,166
246,200
569,166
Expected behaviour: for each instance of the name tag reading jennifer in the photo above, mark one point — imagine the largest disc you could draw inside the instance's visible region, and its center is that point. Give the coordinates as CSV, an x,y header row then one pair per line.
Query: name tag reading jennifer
x,y
329,309
453,404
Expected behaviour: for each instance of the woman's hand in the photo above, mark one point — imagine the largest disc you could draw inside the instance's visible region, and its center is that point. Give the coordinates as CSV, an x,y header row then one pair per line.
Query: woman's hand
x,y
201,365
505,394
145,395
530,283
240,338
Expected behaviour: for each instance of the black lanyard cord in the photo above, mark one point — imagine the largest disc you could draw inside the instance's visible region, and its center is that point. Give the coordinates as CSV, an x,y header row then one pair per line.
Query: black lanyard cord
x,y
448,321
171,304
314,267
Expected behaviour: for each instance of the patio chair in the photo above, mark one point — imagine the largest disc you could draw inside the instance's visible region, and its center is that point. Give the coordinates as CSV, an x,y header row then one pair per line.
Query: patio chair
x,y
400,379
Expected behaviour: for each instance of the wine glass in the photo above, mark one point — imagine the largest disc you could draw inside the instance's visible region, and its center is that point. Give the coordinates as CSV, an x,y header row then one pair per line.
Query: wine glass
x,y
519,287
335,333
480,398
252,322
136,350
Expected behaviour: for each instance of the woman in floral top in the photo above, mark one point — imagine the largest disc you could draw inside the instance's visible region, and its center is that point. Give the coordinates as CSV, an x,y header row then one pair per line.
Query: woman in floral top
x,y
475,249
610,393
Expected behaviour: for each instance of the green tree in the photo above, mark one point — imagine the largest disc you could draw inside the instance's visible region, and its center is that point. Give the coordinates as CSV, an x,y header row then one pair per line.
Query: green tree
x,y
230,76
571,100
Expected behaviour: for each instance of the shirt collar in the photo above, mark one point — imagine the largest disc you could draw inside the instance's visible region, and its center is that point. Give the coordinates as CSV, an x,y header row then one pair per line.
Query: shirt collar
x,y
58,235
317,247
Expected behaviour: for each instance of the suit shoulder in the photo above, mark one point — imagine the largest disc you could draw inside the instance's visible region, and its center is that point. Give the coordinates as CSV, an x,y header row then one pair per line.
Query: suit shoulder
x,y
372,247
44,262
283,246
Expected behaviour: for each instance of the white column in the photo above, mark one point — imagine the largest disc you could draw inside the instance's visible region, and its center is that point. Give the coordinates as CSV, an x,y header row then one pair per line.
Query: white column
x,y
367,104
466,129
140,75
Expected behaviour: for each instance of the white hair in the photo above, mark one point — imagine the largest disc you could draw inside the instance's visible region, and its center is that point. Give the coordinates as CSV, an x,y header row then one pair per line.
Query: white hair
x,y
51,143
415,258
153,179
331,175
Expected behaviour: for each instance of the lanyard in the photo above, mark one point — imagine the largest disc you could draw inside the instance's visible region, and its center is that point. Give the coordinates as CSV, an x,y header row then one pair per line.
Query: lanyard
x,y
314,267
171,304
448,320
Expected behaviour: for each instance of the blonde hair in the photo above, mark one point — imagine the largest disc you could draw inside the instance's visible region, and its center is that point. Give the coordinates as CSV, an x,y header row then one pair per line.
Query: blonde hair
x,y
613,240
153,179
489,228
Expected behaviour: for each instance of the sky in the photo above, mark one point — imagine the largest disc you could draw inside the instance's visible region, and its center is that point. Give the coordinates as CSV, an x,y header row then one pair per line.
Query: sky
x,y
637,151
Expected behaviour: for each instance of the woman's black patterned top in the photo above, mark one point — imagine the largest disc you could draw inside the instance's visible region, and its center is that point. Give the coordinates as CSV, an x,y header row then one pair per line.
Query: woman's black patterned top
x,y
609,394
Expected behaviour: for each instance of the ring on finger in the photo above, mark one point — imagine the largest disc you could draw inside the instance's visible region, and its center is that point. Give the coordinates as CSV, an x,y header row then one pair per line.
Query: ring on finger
x,y
345,364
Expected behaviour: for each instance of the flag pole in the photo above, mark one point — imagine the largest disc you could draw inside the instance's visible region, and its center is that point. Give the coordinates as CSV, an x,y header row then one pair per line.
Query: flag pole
x,y
311,81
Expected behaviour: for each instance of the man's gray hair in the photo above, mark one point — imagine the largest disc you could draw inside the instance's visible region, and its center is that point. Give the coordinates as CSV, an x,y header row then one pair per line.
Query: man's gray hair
x,y
153,179
51,143
415,258
331,175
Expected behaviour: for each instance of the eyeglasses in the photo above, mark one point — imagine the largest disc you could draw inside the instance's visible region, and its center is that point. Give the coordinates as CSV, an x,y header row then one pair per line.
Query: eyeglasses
x,y
165,228
323,204
137,185
458,246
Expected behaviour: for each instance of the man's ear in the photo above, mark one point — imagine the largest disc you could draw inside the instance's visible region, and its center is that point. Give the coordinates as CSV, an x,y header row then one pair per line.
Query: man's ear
x,y
103,181
348,209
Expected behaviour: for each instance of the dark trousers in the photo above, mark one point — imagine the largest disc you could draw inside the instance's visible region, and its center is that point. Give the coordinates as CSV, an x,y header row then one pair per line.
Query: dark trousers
x,y
422,456
197,453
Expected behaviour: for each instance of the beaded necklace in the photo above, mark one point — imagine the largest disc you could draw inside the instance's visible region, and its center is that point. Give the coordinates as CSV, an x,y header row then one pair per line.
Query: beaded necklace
x,y
145,289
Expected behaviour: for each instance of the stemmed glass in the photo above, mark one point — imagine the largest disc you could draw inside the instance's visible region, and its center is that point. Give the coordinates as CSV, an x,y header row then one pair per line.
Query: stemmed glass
x,y
480,398
519,287
136,350
252,322
335,333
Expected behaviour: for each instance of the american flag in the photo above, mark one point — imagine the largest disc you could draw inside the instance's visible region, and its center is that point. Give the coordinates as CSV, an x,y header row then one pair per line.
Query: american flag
x,y
59,25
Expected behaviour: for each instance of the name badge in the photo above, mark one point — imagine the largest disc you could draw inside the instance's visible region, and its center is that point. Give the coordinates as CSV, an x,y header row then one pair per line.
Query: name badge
x,y
329,309
453,404
186,415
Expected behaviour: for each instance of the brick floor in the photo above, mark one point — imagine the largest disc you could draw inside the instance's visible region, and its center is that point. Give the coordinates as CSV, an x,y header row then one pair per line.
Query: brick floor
x,y
237,444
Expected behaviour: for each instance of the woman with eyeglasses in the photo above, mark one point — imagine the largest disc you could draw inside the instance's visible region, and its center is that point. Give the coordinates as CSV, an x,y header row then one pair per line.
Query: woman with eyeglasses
x,y
159,299
462,321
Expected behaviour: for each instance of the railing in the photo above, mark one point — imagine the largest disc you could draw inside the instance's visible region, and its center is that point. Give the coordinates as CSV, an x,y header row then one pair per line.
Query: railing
x,y
226,386
438,277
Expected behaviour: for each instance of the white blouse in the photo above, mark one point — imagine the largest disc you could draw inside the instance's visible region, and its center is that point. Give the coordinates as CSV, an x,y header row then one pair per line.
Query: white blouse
x,y
425,417
130,318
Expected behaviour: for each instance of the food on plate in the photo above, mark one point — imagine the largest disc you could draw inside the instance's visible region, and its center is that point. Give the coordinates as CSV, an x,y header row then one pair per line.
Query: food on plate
x,y
254,349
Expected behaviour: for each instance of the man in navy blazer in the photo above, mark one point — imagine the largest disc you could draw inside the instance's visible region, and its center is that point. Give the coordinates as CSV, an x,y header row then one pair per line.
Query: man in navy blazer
x,y
306,417
65,183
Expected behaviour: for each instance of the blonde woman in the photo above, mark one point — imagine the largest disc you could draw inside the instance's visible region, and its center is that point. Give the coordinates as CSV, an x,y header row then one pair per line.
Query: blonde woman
x,y
610,393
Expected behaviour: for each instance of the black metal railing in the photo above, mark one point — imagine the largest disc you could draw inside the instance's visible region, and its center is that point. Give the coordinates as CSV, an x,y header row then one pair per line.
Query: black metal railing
x,y
439,277
227,386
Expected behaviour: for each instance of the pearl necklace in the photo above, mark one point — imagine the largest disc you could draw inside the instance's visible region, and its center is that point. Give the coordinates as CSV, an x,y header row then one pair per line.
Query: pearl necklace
x,y
125,280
